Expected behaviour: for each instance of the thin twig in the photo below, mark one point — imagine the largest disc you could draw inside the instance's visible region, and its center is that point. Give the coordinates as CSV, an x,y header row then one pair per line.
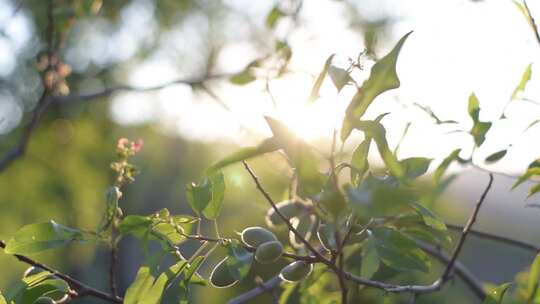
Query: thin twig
x,y
461,271
498,238
127,88
81,288
466,230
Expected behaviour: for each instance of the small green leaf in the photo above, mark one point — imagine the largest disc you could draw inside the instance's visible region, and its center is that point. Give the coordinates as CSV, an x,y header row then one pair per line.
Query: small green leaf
x,y
53,288
320,79
199,195
430,219
383,77
359,161
532,170
521,7
148,287
268,145
439,172
135,224
360,156
496,295
239,261
36,238
479,128
370,259
339,76
378,133
415,166
245,76
534,278
398,251
213,208
523,83
2,299
496,156
273,17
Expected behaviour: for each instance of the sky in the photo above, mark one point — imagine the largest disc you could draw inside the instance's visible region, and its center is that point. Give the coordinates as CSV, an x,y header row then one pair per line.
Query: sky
x,y
457,47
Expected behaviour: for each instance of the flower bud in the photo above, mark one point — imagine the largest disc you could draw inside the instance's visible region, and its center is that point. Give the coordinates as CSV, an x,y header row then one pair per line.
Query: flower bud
x,y
289,209
255,236
296,271
221,276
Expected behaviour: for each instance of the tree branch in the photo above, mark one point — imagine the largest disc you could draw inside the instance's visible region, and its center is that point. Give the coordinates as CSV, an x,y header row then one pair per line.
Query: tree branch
x,y
257,291
466,230
127,88
81,288
498,238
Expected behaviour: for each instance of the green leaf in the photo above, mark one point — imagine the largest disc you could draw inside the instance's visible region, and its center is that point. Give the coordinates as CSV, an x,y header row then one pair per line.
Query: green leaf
x,y
534,278
135,224
378,133
54,288
268,145
359,161
430,219
521,7
310,180
479,128
439,172
532,170
340,77
239,261
246,76
383,77
213,208
320,79
2,299
148,287
273,17
112,195
16,292
199,195
415,166
370,259
399,251
36,238
496,295
523,83
360,156
533,190
496,156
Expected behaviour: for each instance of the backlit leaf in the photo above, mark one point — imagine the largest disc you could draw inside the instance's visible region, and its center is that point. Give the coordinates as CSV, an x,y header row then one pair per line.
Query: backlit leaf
x,y
399,251
496,295
320,79
415,166
430,219
378,133
273,17
239,261
383,77
523,82
534,278
439,172
36,238
217,191
496,156
479,128
268,145
339,76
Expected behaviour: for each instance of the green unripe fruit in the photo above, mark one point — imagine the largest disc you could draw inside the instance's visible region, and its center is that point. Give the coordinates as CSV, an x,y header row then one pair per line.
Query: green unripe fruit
x,y
256,236
289,209
296,271
221,276
44,300
269,252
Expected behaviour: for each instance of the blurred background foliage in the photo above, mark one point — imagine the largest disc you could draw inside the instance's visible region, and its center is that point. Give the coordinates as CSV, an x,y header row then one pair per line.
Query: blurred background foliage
x,y
66,170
